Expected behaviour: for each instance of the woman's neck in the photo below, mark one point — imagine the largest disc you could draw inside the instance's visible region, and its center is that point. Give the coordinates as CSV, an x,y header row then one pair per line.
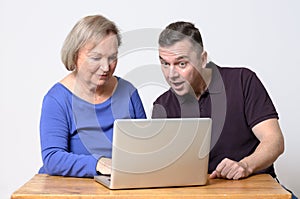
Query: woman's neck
x,y
91,93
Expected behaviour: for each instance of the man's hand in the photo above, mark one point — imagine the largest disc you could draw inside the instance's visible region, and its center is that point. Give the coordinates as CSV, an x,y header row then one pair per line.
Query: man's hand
x,y
104,166
231,170
271,145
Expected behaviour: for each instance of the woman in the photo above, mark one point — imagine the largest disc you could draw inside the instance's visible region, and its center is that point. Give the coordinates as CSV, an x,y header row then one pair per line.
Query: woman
x,y
78,112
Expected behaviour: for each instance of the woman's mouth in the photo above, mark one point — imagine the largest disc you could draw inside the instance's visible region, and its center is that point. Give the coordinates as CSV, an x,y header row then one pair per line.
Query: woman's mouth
x,y
103,76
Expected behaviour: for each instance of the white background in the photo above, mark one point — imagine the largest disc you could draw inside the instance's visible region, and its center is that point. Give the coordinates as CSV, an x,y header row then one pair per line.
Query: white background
x,y
262,35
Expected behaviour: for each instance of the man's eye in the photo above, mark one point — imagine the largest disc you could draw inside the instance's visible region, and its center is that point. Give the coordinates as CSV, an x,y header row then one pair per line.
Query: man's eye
x,y
164,64
182,64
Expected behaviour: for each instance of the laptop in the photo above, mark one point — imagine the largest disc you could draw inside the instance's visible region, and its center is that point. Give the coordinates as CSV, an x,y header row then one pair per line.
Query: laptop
x,y
150,153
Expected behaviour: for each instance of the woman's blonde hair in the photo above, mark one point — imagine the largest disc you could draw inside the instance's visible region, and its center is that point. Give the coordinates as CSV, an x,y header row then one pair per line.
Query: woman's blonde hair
x,y
89,28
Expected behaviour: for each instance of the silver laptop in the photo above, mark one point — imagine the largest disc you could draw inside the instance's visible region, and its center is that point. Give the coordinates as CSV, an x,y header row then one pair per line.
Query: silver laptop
x,y
159,153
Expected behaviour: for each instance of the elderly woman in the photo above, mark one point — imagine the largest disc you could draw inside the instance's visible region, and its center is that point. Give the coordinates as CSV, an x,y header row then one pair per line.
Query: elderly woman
x,y
78,113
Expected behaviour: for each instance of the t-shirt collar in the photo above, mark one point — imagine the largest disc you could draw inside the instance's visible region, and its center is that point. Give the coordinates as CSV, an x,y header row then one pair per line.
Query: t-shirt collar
x,y
216,85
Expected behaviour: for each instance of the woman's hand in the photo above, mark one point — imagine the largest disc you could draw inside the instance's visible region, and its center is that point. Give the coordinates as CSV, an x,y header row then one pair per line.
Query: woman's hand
x,y
104,166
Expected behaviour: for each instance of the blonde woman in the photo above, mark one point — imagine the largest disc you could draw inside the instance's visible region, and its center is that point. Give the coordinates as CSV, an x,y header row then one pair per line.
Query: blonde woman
x,y
78,112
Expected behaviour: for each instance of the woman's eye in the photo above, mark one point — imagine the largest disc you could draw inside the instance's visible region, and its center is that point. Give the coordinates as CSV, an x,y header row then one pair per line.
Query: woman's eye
x,y
112,59
96,58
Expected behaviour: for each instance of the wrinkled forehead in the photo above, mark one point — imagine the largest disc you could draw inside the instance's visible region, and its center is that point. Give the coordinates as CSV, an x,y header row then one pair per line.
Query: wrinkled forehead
x,y
182,48
92,43
102,40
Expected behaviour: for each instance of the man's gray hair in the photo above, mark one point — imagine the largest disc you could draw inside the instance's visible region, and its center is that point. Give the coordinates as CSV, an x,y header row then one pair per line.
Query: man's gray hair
x,y
179,31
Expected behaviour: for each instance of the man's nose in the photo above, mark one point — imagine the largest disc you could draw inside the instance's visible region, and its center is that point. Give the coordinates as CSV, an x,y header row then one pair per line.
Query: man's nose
x,y
173,72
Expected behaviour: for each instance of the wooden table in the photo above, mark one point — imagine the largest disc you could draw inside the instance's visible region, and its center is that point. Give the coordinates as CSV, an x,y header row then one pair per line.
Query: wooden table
x,y
43,186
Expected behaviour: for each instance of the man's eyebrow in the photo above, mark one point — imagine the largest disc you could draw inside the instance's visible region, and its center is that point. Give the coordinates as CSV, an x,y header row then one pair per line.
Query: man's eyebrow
x,y
182,57
178,58
161,58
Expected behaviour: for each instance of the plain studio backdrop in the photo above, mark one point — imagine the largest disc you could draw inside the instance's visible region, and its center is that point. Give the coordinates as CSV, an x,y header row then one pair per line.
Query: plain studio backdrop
x,y
261,35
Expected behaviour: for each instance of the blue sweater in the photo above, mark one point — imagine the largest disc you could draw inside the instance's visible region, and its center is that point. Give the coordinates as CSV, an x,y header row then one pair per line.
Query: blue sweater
x,y
75,134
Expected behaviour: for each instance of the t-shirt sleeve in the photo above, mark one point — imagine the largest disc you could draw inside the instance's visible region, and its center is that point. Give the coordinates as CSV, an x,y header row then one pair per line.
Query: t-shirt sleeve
x,y
158,111
258,104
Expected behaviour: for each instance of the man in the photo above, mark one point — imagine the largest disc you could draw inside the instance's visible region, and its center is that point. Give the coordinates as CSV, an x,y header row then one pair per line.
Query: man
x,y
246,136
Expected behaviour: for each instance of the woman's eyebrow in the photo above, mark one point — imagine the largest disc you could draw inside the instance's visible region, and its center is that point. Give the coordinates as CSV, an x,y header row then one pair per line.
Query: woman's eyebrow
x,y
94,53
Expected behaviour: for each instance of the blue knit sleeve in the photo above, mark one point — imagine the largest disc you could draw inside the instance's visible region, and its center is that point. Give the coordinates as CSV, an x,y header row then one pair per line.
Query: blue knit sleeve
x,y
138,108
55,127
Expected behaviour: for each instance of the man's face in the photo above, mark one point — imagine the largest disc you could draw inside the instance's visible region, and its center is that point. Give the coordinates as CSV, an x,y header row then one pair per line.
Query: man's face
x,y
181,65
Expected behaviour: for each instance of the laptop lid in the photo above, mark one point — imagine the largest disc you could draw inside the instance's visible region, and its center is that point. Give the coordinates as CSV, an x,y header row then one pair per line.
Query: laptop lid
x,y
159,153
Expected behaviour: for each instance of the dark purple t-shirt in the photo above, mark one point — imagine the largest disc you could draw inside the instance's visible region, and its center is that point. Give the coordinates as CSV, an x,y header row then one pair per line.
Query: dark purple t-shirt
x,y
236,101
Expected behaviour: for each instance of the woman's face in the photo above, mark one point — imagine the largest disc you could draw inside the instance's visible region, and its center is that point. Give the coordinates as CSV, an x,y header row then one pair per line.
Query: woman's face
x,y
96,62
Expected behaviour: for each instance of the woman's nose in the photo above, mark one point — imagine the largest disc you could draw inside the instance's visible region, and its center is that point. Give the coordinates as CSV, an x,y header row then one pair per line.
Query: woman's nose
x,y
104,67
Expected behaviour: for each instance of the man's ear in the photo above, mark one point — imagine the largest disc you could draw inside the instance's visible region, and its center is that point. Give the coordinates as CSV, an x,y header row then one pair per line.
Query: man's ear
x,y
203,59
